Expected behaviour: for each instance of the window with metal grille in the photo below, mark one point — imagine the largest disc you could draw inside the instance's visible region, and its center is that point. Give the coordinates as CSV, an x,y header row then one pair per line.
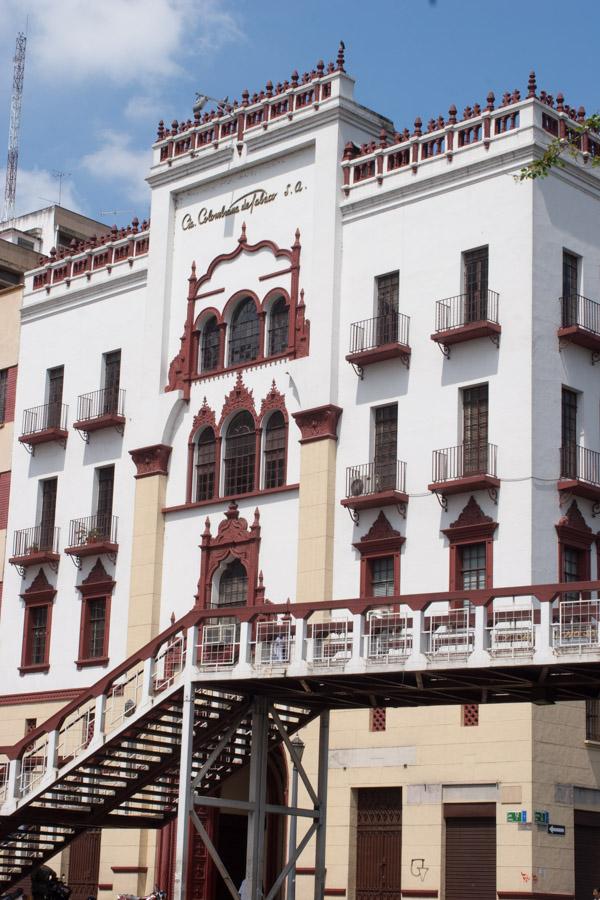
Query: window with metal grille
x,y
570,274
244,335
572,558
3,392
275,451
48,491
55,394
377,718
382,576
112,380
475,429
475,263
592,720
104,501
209,345
386,447
278,327
95,627
38,633
388,288
233,585
240,455
472,567
569,401
470,714
205,465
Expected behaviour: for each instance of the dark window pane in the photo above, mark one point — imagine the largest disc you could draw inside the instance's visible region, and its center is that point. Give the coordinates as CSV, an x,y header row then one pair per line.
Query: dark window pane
x,y
205,465
472,567
233,586
275,451
382,577
244,333
106,480
571,564
112,379
476,284
570,272
96,610
386,447
3,388
209,347
240,455
49,488
278,327
55,394
475,429
38,622
387,308
569,432
592,720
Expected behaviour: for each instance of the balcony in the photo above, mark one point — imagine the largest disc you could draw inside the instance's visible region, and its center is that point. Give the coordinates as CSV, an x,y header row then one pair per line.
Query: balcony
x,y
374,485
467,467
44,425
34,547
91,536
100,409
374,340
465,318
580,473
581,324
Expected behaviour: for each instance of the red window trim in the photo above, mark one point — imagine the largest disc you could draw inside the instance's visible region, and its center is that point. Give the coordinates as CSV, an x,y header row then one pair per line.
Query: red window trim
x,y
97,585
234,538
573,531
380,541
39,594
471,527
11,391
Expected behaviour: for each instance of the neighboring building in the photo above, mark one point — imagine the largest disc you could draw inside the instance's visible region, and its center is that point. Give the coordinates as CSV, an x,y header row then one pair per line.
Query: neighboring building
x,y
274,340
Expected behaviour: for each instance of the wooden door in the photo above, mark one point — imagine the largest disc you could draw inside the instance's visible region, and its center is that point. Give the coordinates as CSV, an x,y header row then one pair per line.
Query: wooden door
x,y
49,487
476,284
475,429
379,844
112,377
106,479
84,865
386,448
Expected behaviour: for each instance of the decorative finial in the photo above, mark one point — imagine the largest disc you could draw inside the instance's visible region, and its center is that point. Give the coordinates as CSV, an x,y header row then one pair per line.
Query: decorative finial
x,y
172,618
340,57
490,101
242,238
531,84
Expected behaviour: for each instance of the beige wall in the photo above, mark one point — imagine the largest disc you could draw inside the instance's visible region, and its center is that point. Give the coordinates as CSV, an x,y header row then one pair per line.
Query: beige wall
x,y
10,316
315,520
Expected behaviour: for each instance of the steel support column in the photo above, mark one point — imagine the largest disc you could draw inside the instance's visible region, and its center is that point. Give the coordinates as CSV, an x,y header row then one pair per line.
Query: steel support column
x,y
322,795
257,799
185,797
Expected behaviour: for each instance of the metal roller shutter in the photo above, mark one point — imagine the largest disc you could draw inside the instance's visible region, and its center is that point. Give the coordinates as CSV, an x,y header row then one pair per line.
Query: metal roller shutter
x,y
587,853
470,858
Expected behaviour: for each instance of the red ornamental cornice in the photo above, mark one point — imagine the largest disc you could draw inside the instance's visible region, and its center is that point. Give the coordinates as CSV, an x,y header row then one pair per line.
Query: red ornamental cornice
x,y
233,529
273,401
39,589
472,524
380,536
318,423
239,398
572,527
203,418
152,460
97,581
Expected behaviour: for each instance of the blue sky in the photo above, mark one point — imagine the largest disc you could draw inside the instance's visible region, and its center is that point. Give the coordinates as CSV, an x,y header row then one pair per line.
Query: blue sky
x,y
100,73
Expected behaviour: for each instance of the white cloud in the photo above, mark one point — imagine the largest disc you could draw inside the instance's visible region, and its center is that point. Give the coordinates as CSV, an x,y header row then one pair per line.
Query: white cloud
x,y
115,161
37,188
121,41
143,108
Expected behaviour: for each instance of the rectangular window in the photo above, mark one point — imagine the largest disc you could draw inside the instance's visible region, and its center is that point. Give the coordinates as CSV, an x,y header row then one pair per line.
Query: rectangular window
x,y
475,274
570,274
48,513
569,402
55,394
475,429
386,447
95,628
592,720
37,636
382,576
112,378
3,393
105,478
472,567
470,714
377,718
388,287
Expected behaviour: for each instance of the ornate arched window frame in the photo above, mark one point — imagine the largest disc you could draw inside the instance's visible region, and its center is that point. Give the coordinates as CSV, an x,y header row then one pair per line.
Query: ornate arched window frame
x,y
575,534
272,403
231,307
239,399
204,418
471,527
205,316
269,301
234,540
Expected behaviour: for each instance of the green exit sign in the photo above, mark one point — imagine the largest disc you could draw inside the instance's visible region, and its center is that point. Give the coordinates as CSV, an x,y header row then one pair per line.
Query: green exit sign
x,y
519,816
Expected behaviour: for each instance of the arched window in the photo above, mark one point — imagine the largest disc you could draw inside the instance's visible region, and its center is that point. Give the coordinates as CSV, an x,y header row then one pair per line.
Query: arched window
x,y
278,327
209,345
244,335
205,465
240,455
275,451
233,585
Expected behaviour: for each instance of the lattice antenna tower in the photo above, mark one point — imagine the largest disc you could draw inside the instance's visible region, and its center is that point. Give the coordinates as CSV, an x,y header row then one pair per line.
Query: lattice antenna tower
x,y
10,187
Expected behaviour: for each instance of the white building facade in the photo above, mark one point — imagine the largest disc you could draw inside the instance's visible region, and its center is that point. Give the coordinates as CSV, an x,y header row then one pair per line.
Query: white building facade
x,y
374,353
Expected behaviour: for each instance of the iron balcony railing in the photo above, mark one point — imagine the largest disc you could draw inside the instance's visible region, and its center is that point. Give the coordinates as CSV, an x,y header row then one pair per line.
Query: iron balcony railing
x,y
463,461
369,334
466,309
580,464
375,477
41,418
38,539
93,530
578,310
106,402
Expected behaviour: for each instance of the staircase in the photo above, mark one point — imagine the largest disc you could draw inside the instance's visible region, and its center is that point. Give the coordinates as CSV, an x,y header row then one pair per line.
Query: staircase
x,y
110,758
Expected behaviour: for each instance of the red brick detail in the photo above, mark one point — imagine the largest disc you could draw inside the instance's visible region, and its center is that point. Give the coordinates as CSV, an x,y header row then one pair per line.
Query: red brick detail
x,y
377,718
470,714
238,399
272,402
152,460
4,498
233,538
98,582
318,424
11,392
